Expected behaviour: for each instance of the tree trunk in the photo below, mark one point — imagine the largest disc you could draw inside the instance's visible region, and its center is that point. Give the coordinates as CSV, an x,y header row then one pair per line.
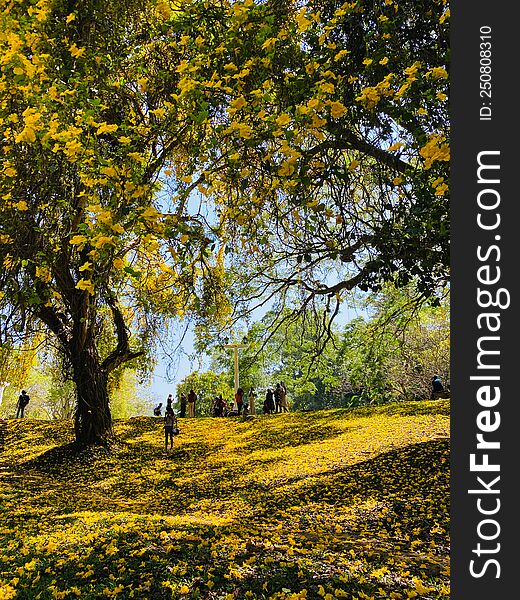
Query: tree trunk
x,y
93,422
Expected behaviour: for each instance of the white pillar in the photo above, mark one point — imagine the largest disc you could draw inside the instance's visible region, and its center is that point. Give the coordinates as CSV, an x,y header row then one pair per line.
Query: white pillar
x,y
236,348
237,381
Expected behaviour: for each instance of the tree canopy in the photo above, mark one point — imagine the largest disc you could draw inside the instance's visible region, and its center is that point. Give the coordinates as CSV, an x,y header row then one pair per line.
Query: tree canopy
x,y
326,143
163,158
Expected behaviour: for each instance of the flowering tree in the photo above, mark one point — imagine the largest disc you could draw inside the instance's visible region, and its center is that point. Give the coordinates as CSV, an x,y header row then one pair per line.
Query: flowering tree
x,y
88,247
326,143
317,129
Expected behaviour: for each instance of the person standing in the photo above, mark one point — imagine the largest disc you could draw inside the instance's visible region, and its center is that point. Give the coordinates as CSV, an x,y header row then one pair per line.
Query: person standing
x,y
169,402
183,402
277,397
437,388
170,422
157,410
284,404
23,401
239,400
269,402
252,401
192,397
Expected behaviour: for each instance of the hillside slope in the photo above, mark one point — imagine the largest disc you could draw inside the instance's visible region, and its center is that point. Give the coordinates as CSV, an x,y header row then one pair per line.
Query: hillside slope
x,y
329,504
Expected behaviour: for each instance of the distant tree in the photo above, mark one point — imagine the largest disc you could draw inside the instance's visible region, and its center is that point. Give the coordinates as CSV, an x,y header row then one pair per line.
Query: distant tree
x,y
394,353
297,353
129,397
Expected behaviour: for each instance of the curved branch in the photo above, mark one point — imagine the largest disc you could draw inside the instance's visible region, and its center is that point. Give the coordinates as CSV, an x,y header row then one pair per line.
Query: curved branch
x,y
122,352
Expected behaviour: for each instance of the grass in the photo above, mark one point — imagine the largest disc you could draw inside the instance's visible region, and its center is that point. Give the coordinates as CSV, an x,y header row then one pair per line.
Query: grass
x,y
330,504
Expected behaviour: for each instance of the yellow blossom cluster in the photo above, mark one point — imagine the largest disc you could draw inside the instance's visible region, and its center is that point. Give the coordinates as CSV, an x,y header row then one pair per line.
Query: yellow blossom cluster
x,y
435,149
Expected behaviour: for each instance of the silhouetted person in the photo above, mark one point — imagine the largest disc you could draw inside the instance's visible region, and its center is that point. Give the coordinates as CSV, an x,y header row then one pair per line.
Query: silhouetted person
x,y
437,387
23,401
252,400
277,398
184,401
157,410
269,406
239,400
192,397
170,423
169,402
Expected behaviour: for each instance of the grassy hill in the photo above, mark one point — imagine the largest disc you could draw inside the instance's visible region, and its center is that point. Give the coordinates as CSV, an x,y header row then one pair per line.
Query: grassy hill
x,y
330,504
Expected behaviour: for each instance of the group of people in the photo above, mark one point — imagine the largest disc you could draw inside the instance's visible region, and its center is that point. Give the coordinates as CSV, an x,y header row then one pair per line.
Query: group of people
x,y
276,400
241,405
185,402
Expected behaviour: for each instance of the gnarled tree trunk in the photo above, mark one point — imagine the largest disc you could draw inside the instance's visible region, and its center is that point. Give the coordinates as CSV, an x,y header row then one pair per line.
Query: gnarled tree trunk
x,y
93,422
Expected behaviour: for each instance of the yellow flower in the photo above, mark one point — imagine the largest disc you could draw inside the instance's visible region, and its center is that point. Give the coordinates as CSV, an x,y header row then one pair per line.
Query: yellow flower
x,y
440,190
118,263
283,120
341,54
87,285
10,171
158,112
412,70
106,128
102,240
117,228
71,17
436,149
302,21
43,274
326,87
26,135
337,110
438,73
78,240
444,16
239,103
76,52
286,169
370,96
245,131
22,205
395,146
85,266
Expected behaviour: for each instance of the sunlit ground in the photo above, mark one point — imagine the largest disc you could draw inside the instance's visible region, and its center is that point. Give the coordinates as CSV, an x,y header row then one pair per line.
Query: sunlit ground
x,y
329,504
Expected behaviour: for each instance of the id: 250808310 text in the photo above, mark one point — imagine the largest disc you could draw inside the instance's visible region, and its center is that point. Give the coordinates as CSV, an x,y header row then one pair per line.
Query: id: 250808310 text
x,y
485,73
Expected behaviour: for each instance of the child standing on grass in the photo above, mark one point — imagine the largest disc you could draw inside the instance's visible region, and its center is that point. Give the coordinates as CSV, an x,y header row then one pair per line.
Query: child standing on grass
x,y
170,423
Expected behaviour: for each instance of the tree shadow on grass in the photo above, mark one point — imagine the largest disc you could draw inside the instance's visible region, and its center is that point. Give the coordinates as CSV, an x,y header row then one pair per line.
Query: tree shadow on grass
x,y
369,508
401,473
